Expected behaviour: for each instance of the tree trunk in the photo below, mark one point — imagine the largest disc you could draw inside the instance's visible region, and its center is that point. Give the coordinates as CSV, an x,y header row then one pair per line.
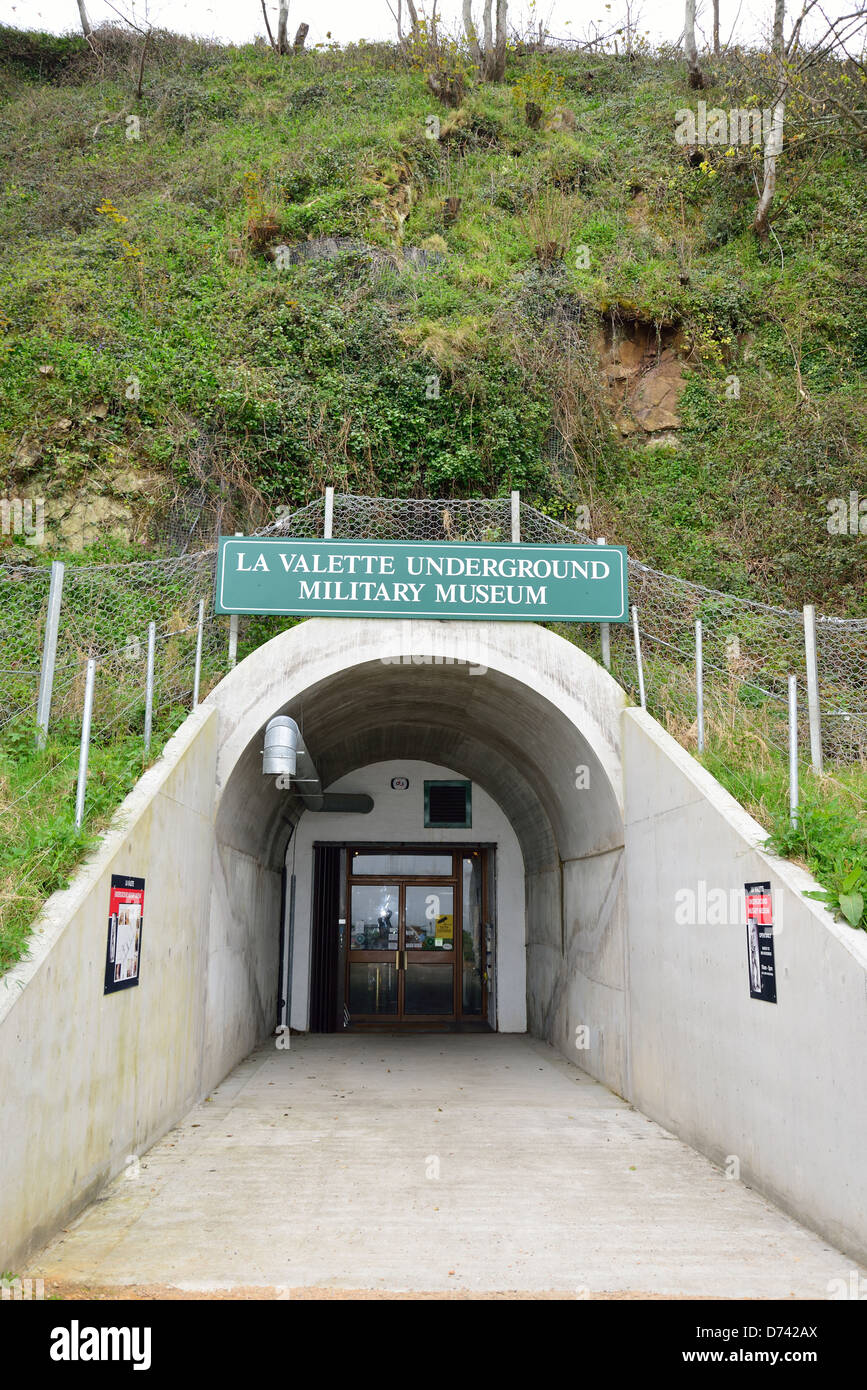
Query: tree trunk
x,y
773,137
716,28
300,38
472,36
282,26
488,27
779,17
693,67
489,53
773,146
86,25
268,27
500,42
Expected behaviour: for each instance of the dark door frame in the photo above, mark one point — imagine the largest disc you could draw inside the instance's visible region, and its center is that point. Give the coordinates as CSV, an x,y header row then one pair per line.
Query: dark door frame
x,y
330,895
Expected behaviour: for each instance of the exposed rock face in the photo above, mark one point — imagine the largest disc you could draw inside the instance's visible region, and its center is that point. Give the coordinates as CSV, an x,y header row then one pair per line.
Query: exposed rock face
x,y
86,518
645,374
85,504
654,399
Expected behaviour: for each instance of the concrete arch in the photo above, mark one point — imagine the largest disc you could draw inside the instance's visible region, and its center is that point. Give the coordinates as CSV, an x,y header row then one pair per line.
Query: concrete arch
x,y
539,700
513,707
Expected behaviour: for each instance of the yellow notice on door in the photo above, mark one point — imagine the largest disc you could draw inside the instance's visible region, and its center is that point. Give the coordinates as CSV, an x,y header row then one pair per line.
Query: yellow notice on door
x,y
446,927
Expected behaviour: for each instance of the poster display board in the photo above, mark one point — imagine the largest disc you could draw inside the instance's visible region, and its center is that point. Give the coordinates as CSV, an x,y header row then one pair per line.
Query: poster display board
x,y
125,922
760,942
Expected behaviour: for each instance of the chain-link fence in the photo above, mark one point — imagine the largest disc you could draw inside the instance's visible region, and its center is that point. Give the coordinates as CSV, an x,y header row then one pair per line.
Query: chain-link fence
x,y
749,648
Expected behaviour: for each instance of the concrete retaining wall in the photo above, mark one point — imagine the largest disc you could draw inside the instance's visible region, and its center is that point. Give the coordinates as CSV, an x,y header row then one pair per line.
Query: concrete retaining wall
x,y
86,1078
576,971
779,1087
243,959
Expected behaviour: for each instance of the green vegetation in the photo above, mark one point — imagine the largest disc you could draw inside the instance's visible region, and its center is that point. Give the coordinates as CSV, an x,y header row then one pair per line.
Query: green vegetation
x,y
149,327
41,846
828,838
148,258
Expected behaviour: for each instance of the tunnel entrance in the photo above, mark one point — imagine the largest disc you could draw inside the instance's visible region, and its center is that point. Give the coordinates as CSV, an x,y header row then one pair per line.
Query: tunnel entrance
x,y
402,935
442,737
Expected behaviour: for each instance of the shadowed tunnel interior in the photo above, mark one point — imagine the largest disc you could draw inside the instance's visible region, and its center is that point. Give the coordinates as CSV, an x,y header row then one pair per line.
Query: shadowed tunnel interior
x,y
488,727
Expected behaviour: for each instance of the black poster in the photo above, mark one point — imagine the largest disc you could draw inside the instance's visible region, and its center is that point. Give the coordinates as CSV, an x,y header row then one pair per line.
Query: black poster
x,y
125,922
760,942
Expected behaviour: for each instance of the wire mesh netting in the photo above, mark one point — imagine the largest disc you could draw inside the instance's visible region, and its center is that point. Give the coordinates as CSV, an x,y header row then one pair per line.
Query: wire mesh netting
x,y
749,648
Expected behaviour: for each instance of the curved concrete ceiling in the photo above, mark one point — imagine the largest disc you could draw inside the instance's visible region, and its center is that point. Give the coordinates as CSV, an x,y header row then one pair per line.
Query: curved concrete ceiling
x,y
498,730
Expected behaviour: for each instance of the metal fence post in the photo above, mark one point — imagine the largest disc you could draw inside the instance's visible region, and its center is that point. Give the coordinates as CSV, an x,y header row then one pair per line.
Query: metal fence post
x,y
638,660
328,524
199,635
85,742
149,688
793,749
233,633
813,687
699,685
49,652
605,631
516,518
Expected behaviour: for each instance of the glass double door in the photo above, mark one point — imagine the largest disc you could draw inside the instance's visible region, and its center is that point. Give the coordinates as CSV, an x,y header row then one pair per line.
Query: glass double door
x,y
414,934
415,937
403,946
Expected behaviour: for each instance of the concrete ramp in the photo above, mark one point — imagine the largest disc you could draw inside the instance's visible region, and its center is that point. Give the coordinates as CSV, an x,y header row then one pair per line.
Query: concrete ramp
x,y
455,1166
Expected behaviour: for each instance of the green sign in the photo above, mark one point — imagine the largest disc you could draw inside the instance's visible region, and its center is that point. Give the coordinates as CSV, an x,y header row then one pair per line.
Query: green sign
x,y
406,579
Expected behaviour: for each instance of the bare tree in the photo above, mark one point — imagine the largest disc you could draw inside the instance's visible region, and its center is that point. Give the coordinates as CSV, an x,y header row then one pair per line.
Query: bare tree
x,y
774,136
268,27
489,53
799,69
405,41
281,43
693,66
87,27
397,16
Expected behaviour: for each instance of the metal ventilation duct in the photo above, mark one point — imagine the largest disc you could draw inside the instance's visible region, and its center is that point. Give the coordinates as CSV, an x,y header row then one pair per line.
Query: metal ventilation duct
x,y
286,757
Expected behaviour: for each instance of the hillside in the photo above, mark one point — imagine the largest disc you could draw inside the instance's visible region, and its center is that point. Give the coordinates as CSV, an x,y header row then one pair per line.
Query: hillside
x,y
572,327
264,276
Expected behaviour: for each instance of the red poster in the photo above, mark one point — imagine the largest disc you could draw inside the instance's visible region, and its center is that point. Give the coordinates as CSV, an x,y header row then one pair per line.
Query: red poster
x,y
125,923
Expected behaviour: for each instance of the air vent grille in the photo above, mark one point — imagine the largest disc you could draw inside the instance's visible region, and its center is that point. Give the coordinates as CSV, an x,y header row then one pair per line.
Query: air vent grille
x,y
448,804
